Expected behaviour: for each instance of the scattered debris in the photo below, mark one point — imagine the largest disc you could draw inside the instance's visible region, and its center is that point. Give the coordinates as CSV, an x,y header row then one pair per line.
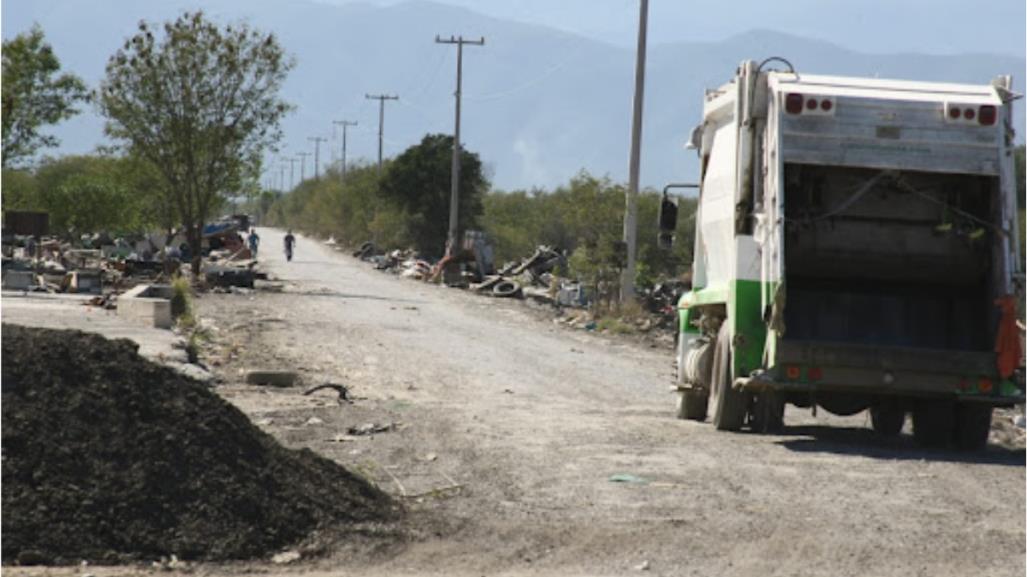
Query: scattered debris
x,y
371,429
628,478
272,378
342,390
286,557
643,566
313,422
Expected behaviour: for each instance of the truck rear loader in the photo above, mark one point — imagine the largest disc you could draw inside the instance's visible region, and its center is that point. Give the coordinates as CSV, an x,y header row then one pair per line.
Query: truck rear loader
x,y
856,249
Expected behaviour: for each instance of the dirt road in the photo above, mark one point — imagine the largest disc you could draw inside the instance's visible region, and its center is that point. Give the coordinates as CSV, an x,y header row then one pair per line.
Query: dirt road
x,y
509,428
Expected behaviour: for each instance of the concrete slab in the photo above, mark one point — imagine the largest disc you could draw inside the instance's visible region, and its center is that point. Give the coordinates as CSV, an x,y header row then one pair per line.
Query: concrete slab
x,y
148,304
64,311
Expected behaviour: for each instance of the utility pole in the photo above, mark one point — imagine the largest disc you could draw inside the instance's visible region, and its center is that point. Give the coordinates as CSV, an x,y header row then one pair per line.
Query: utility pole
x,y
317,140
381,98
454,198
344,124
303,164
281,176
627,282
292,172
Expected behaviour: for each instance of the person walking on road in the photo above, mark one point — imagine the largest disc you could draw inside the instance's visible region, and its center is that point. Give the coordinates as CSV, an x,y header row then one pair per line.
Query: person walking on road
x,y
254,241
290,242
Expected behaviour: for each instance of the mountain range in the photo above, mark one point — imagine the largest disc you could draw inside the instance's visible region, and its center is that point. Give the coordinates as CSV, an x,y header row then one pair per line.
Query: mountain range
x,y
539,104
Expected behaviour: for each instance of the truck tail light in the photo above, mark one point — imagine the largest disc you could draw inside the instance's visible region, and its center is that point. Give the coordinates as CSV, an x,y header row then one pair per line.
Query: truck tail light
x,y
987,115
984,385
969,113
793,103
954,112
815,373
793,372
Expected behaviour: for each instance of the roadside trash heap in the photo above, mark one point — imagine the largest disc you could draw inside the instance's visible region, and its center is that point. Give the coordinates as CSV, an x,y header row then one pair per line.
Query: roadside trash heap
x,y
536,277
109,457
106,266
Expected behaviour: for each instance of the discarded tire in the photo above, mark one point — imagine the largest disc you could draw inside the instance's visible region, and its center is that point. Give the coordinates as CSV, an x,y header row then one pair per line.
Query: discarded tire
x,y
272,378
506,289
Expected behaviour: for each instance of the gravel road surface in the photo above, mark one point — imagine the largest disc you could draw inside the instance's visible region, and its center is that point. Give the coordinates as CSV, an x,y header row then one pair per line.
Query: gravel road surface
x,y
507,430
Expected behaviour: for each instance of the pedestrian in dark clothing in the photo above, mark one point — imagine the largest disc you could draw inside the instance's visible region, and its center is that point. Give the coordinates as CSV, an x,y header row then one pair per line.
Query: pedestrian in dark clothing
x,y
290,243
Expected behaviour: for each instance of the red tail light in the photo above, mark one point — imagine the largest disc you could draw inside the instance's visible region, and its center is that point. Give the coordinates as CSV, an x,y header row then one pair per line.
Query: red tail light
x,y
815,373
987,115
793,372
954,112
969,113
793,103
984,385
826,105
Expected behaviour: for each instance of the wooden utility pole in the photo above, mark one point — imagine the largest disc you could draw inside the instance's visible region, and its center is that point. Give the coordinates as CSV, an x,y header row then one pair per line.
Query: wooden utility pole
x,y
381,98
303,165
454,199
627,283
292,172
344,124
317,140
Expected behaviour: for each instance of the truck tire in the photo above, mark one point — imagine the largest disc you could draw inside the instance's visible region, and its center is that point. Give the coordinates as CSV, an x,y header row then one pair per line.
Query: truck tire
x,y
692,406
728,403
887,419
933,423
768,415
973,425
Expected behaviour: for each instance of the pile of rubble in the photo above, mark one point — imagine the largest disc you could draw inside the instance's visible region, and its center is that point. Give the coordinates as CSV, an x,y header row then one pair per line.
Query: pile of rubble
x,y
106,266
109,457
536,277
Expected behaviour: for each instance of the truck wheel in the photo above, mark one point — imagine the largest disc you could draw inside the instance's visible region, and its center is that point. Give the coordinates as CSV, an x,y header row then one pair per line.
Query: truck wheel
x,y
692,406
973,424
768,414
933,423
887,420
728,403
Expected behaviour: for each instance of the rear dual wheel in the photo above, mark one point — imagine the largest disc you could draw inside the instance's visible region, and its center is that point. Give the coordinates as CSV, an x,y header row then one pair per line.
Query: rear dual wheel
x,y
887,419
941,423
729,404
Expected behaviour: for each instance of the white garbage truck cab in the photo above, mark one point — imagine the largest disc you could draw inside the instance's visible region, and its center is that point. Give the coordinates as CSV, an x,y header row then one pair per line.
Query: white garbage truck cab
x,y
856,249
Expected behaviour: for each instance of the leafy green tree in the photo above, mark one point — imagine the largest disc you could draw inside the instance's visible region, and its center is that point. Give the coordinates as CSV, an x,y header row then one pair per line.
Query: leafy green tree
x,y
418,182
201,103
20,191
34,94
85,194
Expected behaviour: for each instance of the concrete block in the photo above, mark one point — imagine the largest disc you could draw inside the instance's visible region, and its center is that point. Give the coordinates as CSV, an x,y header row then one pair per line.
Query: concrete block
x,y
149,304
19,280
85,281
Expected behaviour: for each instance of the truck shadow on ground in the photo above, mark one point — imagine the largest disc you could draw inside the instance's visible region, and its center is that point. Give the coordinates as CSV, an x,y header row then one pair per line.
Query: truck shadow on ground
x,y
865,443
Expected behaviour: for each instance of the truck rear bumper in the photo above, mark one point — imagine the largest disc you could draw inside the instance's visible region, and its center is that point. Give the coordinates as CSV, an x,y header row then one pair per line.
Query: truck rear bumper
x,y
805,366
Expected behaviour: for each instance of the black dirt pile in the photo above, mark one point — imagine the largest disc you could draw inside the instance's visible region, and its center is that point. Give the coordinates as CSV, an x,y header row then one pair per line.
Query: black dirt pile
x,y
110,457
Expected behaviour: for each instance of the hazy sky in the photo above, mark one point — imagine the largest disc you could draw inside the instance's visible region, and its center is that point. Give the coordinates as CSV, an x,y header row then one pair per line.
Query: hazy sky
x,y
881,26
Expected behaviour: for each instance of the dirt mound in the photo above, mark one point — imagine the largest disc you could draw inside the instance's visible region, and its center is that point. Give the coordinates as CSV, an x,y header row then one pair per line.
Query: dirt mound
x,y
110,457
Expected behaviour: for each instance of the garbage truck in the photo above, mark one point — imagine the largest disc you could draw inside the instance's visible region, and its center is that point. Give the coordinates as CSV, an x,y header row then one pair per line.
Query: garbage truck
x,y
856,248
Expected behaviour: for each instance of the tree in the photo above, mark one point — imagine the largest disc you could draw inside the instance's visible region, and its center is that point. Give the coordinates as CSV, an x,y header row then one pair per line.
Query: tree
x,y
85,194
418,181
201,104
34,95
